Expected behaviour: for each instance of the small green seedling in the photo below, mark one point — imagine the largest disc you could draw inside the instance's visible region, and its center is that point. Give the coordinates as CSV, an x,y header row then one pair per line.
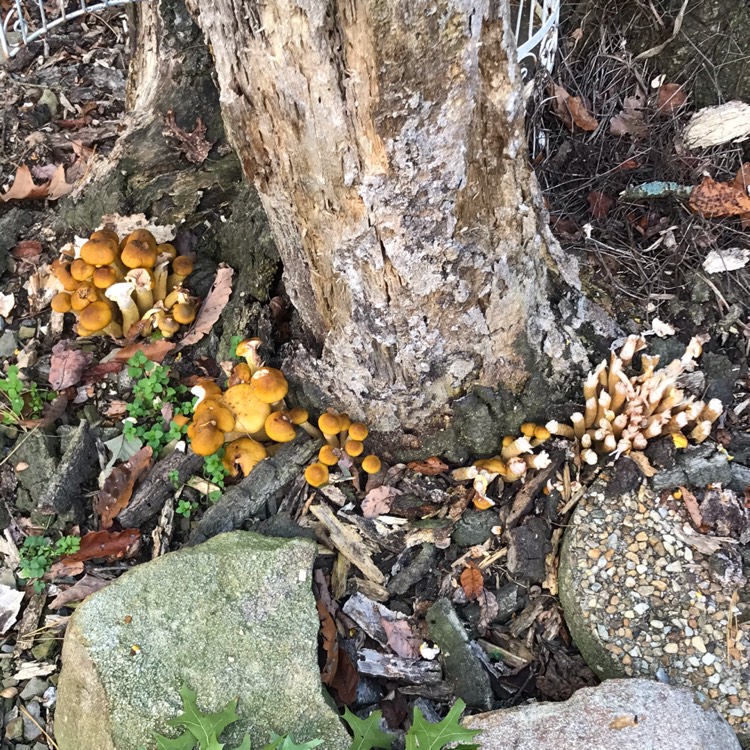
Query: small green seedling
x,y
214,472
185,507
37,553
20,399
153,392
174,478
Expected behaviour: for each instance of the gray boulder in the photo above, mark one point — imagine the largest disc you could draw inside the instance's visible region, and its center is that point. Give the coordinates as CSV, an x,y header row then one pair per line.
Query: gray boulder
x,y
616,715
234,617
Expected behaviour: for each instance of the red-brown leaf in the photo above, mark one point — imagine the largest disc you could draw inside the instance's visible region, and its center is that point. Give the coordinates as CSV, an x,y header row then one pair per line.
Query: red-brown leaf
x,y
193,146
671,97
106,545
600,204
97,373
430,466
118,487
572,111
27,250
472,581
79,591
155,350
67,365
716,200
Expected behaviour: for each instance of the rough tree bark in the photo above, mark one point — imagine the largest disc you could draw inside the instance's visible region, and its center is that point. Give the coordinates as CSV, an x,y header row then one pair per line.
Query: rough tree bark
x,y
386,141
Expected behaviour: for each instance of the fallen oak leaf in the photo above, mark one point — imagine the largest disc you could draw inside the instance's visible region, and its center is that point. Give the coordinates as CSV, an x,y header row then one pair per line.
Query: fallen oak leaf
x,y
572,111
472,581
378,501
600,204
78,591
717,200
115,495
106,545
670,98
156,351
67,365
429,467
212,308
401,638
58,187
23,187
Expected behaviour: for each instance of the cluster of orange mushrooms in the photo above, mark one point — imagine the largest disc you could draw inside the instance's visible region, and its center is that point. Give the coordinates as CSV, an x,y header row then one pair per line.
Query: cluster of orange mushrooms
x,y
250,420
125,287
621,414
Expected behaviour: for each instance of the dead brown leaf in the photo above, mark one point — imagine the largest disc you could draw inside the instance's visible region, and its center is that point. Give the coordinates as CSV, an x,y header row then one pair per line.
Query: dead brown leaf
x,y
630,120
378,501
717,200
106,545
67,365
670,98
79,591
330,643
58,187
193,146
691,503
572,111
97,373
488,610
154,350
212,307
401,638
430,466
622,722
472,581
600,204
27,250
23,187
118,487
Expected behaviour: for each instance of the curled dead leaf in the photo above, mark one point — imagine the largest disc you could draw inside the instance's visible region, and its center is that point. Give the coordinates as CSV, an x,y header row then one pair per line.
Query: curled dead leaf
x,y
118,487
430,466
472,581
670,98
716,200
572,111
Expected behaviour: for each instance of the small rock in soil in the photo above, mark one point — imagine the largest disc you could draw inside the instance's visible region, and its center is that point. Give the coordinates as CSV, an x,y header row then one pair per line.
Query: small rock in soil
x,y
475,527
34,687
7,344
415,571
32,724
463,670
528,546
36,450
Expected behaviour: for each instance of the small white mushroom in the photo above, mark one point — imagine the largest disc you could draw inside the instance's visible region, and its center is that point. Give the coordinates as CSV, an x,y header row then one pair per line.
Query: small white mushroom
x,y
122,295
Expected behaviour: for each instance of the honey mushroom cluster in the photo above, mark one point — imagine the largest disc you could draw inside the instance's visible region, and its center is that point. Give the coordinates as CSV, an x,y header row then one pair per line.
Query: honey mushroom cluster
x,y
516,458
623,413
343,438
116,284
242,419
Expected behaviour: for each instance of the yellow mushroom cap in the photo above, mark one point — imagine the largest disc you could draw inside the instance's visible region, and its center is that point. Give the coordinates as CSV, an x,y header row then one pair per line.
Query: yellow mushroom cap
x,y
507,440
62,272
327,456
104,277
527,429
137,254
60,303
279,427
298,415
354,447
316,474
80,270
169,326
247,346
205,388
358,431
329,424
269,384
184,313
99,252
167,249
243,454
95,316
249,412
241,373
141,235
492,465
345,421
371,464
205,438
542,433
83,296
213,409
182,265
105,234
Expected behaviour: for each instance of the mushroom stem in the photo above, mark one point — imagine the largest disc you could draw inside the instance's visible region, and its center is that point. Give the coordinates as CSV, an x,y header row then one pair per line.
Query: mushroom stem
x,y
516,448
122,295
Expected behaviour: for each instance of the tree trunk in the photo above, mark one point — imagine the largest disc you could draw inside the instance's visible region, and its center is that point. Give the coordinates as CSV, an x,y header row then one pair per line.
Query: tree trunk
x,y
386,141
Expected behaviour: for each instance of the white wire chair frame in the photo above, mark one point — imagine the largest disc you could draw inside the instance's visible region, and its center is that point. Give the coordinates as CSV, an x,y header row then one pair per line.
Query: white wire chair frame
x,y
536,23
31,20
535,26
